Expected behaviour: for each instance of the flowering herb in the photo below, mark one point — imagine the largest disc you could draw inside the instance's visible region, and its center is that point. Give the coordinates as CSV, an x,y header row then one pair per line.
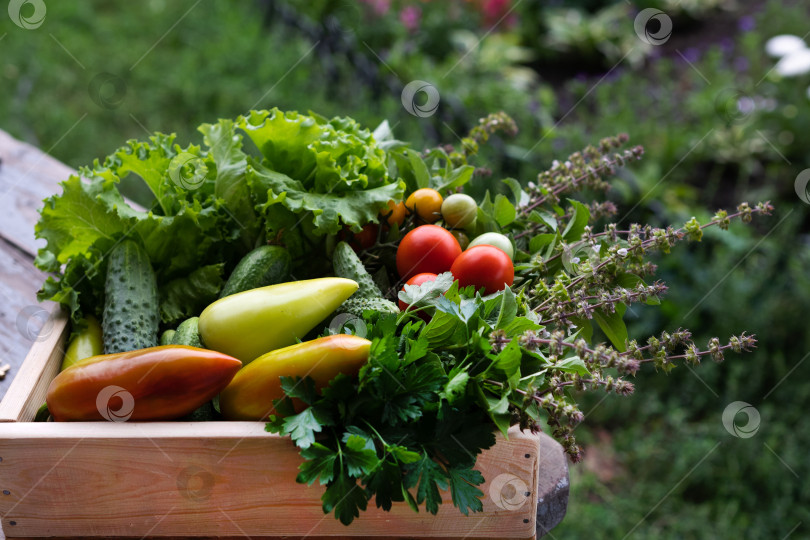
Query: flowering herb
x,y
434,392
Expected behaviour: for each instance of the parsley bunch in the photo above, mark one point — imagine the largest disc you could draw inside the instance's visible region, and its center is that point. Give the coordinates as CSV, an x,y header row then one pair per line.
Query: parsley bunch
x,y
420,411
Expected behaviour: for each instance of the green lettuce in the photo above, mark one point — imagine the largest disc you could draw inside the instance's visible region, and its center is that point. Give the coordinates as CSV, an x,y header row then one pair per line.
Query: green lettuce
x,y
212,204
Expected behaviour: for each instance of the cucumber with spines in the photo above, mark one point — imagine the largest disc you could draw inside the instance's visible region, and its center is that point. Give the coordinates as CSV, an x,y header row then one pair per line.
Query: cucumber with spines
x,y
188,333
265,265
356,306
130,319
348,265
167,337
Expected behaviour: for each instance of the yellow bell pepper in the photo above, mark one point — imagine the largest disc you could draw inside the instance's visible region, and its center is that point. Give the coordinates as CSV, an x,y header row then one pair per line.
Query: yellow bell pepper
x,y
249,324
250,394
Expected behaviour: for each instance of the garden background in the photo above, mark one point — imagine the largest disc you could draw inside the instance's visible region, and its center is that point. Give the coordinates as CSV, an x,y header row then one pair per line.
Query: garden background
x,y
722,121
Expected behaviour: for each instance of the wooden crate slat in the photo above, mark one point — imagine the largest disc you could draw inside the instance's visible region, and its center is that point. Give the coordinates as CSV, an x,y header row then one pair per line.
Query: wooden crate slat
x,y
217,478
27,392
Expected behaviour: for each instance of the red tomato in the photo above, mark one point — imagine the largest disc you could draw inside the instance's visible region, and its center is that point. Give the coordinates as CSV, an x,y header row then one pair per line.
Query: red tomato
x,y
428,248
486,267
363,239
418,279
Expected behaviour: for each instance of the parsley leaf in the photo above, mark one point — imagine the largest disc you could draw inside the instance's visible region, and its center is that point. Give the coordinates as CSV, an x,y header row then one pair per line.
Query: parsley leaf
x,y
429,292
301,388
345,497
320,464
466,496
386,482
359,455
303,426
428,478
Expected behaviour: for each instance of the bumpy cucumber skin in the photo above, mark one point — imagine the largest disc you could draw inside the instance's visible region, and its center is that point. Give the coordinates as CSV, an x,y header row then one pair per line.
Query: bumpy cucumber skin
x,y
130,319
205,413
356,306
348,265
188,333
167,337
265,265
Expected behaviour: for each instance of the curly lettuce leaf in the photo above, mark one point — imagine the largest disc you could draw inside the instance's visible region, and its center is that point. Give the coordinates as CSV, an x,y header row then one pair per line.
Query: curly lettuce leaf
x,y
187,296
326,211
322,156
90,217
231,186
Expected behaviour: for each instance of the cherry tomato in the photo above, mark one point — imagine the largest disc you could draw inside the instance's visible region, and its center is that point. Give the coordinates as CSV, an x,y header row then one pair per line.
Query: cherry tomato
x,y
428,248
486,267
494,239
363,239
459,210
418,279
427,203
395,214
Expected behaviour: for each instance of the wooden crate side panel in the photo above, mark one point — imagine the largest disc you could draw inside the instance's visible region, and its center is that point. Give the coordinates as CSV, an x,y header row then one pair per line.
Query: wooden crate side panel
x,y
139,480
258,537
27,392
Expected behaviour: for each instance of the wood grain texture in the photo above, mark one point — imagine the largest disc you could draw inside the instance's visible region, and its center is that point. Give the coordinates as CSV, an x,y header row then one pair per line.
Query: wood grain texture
x,y
27,176
27,393
21,316
220,479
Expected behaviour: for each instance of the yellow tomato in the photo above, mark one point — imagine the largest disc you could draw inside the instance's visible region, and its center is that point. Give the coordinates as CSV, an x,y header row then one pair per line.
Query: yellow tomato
x,y
427,203
395,215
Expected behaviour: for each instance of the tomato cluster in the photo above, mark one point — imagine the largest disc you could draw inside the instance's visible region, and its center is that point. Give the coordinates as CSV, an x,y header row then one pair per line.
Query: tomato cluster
x,y
429,250
434,250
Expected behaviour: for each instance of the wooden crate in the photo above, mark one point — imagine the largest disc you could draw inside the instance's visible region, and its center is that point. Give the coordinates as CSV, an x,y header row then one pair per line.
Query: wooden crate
x,y
213,479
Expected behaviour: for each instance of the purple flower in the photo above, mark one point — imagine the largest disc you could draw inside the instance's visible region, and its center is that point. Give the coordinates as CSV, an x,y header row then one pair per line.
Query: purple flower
x,y
747,23
614,75
741,63
410,17
692,54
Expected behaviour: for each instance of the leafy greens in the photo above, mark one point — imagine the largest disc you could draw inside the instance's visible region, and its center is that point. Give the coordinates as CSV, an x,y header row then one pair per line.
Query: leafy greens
x,y
307,178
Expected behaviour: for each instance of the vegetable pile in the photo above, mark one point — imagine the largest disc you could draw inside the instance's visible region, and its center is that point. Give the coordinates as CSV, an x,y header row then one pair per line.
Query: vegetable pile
x,y
341,287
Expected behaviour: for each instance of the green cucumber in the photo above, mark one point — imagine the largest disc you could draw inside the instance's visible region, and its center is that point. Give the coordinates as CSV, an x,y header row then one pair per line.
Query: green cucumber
x,y
167,337
348,265
130,318
265,265
356,306
368,296
204,413
188,333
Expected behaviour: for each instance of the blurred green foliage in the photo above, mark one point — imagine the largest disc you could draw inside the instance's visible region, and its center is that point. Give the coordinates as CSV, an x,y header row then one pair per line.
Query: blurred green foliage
x,y
718,126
